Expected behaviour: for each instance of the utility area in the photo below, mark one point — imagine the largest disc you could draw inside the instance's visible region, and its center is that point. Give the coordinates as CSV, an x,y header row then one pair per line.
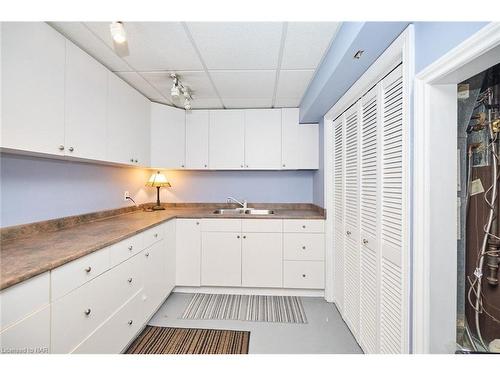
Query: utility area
x,y
478,232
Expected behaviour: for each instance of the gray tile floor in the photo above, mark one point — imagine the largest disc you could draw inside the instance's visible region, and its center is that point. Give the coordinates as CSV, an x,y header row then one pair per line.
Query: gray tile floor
x,y
325,332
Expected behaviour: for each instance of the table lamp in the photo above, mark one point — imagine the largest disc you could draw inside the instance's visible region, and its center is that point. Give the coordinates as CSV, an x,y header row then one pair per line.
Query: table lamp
x,y
158,180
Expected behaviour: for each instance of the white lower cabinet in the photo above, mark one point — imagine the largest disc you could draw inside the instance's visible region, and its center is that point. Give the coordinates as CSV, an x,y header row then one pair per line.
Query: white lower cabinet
x,y
262,260
30,335
304,274
188,252
221,259
153,271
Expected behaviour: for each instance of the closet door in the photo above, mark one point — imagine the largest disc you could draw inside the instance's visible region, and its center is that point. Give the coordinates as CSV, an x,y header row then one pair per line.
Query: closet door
x,y
338,215
369,259
351,220
393,297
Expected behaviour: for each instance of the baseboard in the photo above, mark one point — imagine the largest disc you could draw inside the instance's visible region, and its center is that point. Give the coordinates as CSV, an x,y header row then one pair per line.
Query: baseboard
x,y
251,291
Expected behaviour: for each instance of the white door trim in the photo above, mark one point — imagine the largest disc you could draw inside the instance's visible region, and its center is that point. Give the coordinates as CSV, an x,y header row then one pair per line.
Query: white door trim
x,y
435,116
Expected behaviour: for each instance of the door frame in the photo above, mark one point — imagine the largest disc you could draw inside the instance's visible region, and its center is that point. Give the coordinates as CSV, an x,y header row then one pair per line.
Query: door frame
x,y
435,184
401,50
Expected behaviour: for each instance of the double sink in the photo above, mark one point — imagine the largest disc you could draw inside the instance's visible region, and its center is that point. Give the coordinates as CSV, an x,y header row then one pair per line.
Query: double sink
x,y
242,211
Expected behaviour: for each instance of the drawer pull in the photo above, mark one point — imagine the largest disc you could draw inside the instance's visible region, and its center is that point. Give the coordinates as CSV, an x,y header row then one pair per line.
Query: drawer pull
x,y
197,223
130,280
244,237
304,275
303,227
130,322
365,241
303,247
237,236
348,232
147,254
130,247
155,235
87,312
88,269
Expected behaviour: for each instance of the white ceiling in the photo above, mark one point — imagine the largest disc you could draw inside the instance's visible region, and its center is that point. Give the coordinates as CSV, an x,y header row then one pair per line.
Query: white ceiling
x,y
225,64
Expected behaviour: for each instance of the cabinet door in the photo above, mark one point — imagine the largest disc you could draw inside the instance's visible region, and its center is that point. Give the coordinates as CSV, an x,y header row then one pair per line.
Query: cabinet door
x,y
227,139
85,106
121,126
154,267
142,129
168,132
308,146
33,59
262,260
188,252
197,123
351,220
290,138
221,259
338,211
263,138
369,209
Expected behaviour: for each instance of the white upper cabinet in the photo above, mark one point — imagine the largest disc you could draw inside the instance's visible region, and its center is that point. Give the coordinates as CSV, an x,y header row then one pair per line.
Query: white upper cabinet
x,y
85,105
300,142
33,59
197,123
263,138
227,139
168,136
128,124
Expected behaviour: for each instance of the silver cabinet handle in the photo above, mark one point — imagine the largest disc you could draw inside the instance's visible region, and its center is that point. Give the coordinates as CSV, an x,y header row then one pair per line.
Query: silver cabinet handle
x,y
244,237
129,280
197,223
88,269
61,147
246,166
237,236
303,247
348,232
303,227
147,254
132,160
365,241
241,165
130,322
182,165
284,165
71,149
155,235
87,312
130,247
304,275
137,161
206,165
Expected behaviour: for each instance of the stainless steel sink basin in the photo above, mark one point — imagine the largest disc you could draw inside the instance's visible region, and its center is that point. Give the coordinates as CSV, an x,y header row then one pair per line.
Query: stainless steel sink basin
x,y
242,211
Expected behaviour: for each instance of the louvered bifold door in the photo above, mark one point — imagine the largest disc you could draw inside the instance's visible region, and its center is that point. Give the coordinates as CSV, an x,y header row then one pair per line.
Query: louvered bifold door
x,y
351,219
370,222
338,214
393,289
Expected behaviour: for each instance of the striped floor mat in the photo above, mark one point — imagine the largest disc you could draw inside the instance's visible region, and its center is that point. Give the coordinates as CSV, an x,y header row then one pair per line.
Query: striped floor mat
x,y
273,309
163,340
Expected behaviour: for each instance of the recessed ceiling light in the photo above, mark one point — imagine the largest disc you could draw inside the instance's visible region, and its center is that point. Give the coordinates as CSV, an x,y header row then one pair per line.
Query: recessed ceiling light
x,y
358,54
118,32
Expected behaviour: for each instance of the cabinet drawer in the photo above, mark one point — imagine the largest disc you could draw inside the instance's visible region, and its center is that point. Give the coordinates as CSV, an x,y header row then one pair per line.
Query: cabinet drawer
x,y
305,226
30,335
153,235
221,225
129,279
24,298
304,246
125,249
262,225
76,273
114,335
76,315
304,274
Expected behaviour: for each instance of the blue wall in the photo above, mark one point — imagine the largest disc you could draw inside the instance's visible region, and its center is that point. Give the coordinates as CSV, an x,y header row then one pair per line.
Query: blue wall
x,y
434,39
319,175
34,189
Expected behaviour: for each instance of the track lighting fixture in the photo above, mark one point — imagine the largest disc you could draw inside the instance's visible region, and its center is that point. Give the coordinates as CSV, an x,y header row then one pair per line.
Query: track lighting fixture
x,y
174,91
118,32
178,88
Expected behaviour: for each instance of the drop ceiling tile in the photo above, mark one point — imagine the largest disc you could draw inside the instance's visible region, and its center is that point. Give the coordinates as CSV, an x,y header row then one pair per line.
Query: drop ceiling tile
x,y
293,83
306,43
142,85
287,102
154,45
244,83
247,102
238,45
90,43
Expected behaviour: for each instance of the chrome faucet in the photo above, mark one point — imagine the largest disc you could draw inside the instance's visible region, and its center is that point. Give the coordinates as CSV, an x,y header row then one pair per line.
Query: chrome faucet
x,y
242,204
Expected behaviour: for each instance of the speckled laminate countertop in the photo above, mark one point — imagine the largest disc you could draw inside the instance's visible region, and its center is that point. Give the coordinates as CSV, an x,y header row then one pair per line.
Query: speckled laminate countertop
x,y
27,256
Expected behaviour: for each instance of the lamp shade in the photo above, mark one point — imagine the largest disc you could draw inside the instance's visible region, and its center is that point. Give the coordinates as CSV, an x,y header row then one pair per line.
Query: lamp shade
x,y
158,180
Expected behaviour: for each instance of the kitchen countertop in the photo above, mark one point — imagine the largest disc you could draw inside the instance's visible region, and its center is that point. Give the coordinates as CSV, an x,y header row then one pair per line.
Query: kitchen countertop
x,y
26,256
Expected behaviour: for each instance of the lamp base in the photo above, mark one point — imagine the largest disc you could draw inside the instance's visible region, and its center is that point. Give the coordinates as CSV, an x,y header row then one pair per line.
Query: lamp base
x,y
157,208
